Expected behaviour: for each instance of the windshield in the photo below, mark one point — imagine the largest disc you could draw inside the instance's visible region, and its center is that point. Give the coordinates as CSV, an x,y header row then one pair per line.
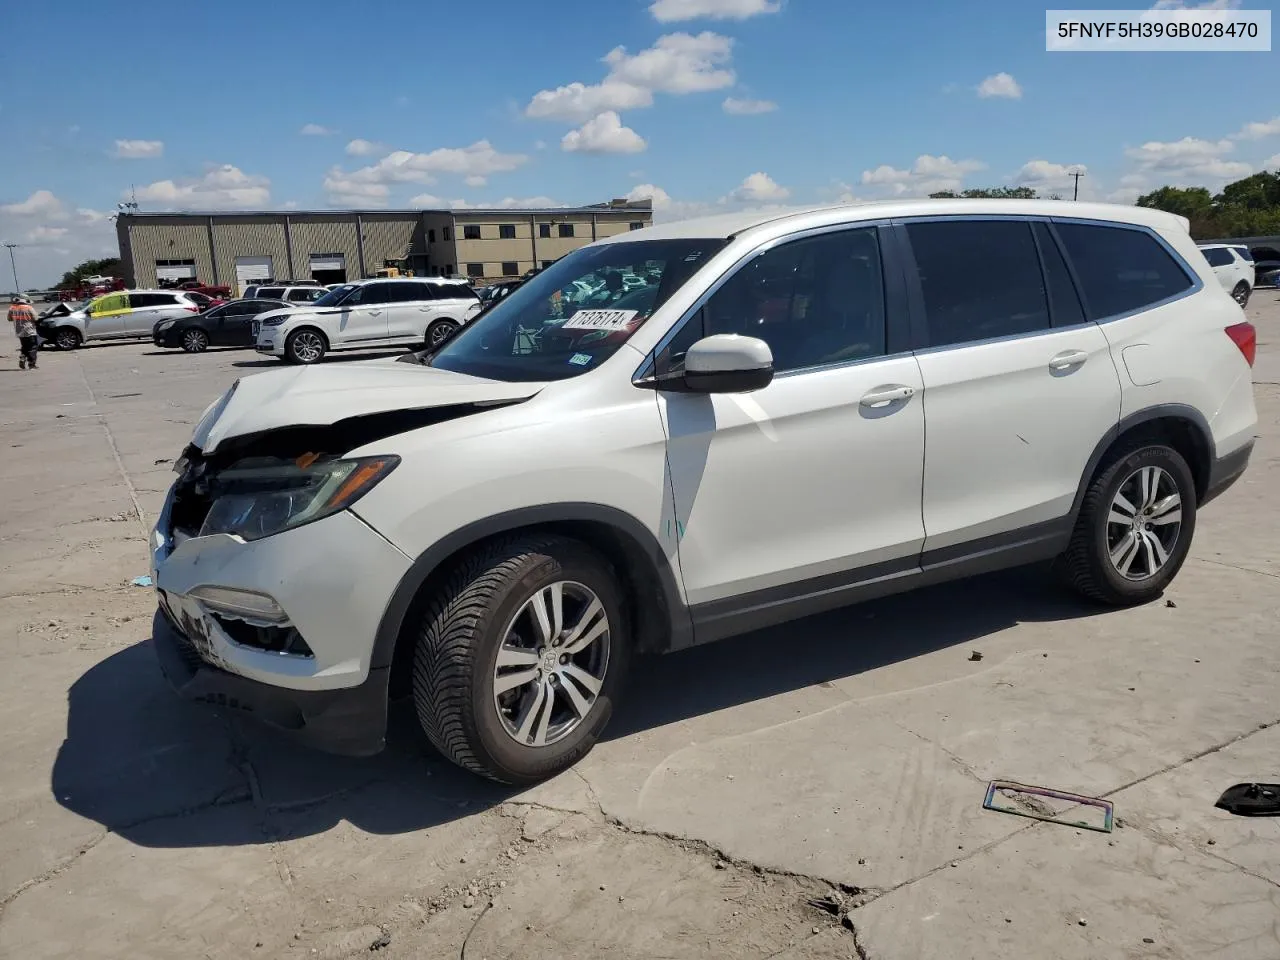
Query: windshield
x,y
336,295
575,314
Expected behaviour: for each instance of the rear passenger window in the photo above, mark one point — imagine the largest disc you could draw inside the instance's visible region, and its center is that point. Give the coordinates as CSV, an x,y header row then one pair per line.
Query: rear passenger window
x,y
981,279
1218,256
1064,303
1120,269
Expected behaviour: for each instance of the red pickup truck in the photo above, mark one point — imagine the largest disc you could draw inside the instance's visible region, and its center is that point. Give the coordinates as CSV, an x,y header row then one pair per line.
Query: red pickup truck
x,y
195,286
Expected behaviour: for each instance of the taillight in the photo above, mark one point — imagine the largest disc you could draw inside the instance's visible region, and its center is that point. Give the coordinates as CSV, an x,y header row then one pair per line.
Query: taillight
x,y
1244,336
191,309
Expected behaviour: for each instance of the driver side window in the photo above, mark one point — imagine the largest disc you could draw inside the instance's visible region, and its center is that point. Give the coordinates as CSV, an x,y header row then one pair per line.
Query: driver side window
x,y
815,301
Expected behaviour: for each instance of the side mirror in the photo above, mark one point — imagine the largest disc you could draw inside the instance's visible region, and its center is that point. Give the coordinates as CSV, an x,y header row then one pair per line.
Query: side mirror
x,y
728,363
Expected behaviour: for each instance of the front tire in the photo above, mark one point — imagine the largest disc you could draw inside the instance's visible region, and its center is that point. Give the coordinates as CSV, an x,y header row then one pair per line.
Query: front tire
x,y
1135,526
195,340
439,332
67,338
521,655
305,346
1241,294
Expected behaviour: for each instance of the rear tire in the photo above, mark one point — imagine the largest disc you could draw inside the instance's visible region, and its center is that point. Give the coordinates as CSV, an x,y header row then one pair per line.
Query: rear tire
x,y
1241,294
195,340
67,338
542,710
1135,526
305,345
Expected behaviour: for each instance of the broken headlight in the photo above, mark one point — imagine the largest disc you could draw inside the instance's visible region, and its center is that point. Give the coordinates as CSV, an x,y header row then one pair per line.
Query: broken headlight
x,y
259,496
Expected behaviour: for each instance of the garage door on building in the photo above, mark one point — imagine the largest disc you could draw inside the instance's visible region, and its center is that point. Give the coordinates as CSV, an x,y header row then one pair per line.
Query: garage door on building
x,y
329,267
169,272
251,270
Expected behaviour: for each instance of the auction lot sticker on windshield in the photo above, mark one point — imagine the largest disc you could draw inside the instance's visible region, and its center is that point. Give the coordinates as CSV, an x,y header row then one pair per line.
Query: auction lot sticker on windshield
x,y
600,320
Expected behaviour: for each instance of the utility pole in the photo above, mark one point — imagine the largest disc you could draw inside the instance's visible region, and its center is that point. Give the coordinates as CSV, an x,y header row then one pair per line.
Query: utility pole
x,y
14,264
1077,174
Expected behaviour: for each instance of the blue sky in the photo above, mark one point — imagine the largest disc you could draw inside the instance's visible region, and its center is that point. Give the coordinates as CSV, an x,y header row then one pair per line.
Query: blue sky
x,y
701,104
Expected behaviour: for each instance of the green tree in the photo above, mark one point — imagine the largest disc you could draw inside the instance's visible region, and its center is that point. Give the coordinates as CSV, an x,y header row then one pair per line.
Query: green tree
x,y
1258,192
108,267
1190,202
987,193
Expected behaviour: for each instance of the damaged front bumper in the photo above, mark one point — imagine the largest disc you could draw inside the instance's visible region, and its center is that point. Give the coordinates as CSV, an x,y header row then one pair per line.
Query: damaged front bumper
x,y
307,668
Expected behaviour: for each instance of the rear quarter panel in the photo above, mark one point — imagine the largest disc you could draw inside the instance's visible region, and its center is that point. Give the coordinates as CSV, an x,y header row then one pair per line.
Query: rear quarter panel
x,y
1178,353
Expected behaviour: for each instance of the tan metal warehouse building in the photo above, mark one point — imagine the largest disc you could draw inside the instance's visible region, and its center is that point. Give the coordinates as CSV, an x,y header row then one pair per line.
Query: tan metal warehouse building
x,y
237,249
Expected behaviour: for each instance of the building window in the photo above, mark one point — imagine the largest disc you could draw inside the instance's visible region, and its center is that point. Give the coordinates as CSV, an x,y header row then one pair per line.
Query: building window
x,y
431,236
544,231
175,263
471,231
444,232
506,231
566,229
435,271
475,269
448,269
547,263
510,268
637,224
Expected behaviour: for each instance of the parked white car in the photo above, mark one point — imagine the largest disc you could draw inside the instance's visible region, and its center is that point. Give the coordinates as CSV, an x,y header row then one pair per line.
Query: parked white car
x,y
117,316
797,412
1233,266
414,312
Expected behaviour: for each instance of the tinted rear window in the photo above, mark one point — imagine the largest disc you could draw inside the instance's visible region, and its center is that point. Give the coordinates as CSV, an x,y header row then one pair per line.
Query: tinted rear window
x,y
270,293
1244,253
1218,257
1121,269
980,278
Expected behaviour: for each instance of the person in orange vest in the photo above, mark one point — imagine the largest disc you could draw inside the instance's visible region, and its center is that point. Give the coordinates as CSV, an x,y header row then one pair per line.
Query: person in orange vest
x,y
23,319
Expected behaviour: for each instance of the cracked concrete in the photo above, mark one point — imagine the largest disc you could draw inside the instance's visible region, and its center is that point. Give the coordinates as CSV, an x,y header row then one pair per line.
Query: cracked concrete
x,y
737,782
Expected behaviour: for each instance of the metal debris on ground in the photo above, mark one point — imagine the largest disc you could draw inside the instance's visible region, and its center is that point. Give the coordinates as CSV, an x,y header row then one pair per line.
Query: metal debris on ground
x,y
1020,800
380,943
1251,800
975,657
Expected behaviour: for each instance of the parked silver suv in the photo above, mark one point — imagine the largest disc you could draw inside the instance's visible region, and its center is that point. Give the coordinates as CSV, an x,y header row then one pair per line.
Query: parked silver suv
x,y
117,316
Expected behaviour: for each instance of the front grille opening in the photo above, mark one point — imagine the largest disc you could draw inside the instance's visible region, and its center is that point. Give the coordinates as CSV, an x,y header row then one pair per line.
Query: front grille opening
x,y
272,639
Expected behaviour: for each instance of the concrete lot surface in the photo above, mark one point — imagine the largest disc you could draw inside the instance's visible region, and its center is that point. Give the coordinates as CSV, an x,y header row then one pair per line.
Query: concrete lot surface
x,y
737,782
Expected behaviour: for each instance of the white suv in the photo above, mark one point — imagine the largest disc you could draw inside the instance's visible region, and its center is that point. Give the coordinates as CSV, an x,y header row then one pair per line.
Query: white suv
x,y
413,312
117,316
1233,266
794,413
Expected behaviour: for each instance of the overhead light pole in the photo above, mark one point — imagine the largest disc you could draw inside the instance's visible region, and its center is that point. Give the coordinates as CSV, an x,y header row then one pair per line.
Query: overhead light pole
x,y
17,288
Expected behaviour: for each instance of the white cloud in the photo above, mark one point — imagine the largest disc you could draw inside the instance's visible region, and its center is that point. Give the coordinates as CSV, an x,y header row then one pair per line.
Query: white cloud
x,y
43,234
345,192
743,107
540,145
42,203
508,203
401,166
138,149
1208,5
579,102
316,130
1258,131
1190,161
476,181
759,188
363,148
1273,163
678,63
665,207
428,200
603,134
223,187
929,174
669,11
1000,85
1044,175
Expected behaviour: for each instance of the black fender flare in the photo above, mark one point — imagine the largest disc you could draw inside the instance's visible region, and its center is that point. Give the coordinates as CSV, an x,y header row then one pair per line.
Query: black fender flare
x,y
1162,411
680,624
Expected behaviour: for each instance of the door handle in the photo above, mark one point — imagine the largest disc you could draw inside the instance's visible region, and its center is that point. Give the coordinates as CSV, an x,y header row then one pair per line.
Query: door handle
x,y
883,396
1068,359
374,313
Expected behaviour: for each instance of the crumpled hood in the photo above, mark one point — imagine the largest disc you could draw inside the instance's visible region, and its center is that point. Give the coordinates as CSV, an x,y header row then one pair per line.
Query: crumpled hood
x,y
322,395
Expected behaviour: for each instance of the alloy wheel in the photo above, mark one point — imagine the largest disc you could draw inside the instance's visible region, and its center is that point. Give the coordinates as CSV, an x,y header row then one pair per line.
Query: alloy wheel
x,y
307,346
1241,294
440,332
1144,523
552,663
67,340
194,341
